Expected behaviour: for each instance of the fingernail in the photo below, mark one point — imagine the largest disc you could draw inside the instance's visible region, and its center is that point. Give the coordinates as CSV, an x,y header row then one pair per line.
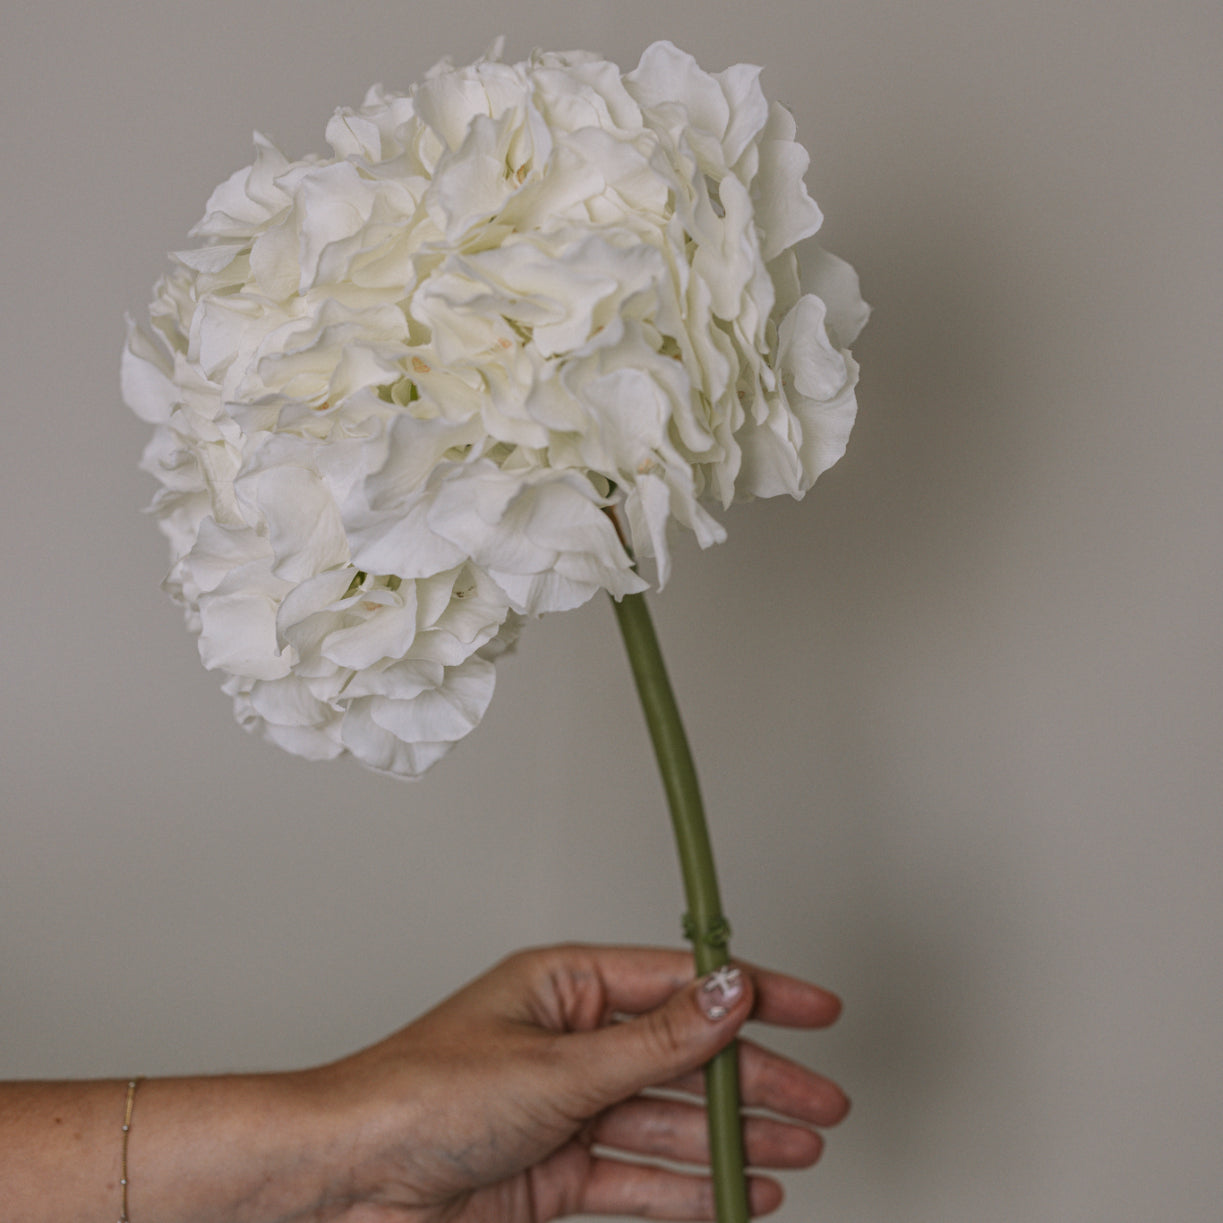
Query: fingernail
x,y
719,992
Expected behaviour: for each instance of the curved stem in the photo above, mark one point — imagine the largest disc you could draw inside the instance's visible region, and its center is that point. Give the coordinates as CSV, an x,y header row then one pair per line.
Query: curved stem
x,y
705,924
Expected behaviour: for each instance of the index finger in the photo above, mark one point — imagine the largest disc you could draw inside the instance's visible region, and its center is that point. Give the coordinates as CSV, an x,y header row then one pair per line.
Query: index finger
x,y
790,1002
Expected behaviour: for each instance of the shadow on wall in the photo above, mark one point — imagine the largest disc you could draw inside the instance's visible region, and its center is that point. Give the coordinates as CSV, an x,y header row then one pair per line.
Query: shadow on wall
x,y
912,603
885,781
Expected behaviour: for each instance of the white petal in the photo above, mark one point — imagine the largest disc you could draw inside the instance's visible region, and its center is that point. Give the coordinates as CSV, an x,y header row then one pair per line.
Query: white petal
x,y
470,184
351,134
808,360
649,509
288,702
442,714
378,749
785,211
313,595
246,199
820,387
836,283
400,681
238,632
302,519
146,377
769,463
667,74
387,633
309,742
402,541
216,552
749,109
826,426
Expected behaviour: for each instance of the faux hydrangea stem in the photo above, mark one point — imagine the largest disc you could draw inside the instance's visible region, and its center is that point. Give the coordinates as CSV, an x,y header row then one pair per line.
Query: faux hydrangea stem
x,y
705,922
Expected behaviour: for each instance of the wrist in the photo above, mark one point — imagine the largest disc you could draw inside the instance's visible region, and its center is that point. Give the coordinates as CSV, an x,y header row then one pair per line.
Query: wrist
x,y
364,1126
229,1149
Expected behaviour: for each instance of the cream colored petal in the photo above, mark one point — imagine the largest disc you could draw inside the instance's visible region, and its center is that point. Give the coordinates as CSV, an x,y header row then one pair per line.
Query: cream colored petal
x,y
442,714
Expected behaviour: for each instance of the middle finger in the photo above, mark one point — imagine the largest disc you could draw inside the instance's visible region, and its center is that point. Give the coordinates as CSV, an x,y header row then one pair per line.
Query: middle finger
x,y
673,1129
788,1088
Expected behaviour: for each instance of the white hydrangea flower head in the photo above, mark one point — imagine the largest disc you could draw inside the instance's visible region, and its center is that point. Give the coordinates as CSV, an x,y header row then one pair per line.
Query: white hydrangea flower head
x,y
395,390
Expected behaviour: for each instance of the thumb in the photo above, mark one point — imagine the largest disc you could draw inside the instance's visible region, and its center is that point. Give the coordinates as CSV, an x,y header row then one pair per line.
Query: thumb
x,y
616,1062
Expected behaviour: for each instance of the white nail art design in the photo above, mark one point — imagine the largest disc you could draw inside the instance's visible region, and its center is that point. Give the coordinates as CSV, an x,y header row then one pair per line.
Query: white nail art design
x,y
721,989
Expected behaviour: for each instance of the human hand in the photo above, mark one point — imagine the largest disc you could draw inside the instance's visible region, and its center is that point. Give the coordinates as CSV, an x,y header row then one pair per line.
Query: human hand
x,y
499,1104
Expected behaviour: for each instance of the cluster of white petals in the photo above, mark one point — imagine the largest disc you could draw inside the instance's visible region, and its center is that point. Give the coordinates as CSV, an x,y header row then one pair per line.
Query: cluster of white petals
x,y
396,389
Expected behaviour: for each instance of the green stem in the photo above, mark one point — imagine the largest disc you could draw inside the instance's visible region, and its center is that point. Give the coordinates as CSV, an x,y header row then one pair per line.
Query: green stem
x,y
705,924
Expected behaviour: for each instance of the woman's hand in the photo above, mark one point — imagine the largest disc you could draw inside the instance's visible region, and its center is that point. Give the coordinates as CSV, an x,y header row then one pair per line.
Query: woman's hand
x,y
526,1096
523,1098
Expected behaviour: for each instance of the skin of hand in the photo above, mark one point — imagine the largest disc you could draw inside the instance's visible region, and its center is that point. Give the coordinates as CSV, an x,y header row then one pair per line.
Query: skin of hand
x,y
526,1095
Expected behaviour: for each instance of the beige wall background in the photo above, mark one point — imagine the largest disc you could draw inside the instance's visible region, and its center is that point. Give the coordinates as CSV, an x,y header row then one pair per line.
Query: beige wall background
x,y
957,713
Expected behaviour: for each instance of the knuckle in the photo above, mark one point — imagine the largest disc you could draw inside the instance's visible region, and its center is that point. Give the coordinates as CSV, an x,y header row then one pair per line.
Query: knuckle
x,y
665,1037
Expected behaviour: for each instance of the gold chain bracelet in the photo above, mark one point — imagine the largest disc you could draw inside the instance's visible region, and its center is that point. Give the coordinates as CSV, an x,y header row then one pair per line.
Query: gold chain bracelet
x,y
132,1084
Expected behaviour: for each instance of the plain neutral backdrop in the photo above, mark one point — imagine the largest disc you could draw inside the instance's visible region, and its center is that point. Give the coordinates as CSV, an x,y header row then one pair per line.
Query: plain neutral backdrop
x,y
957,713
